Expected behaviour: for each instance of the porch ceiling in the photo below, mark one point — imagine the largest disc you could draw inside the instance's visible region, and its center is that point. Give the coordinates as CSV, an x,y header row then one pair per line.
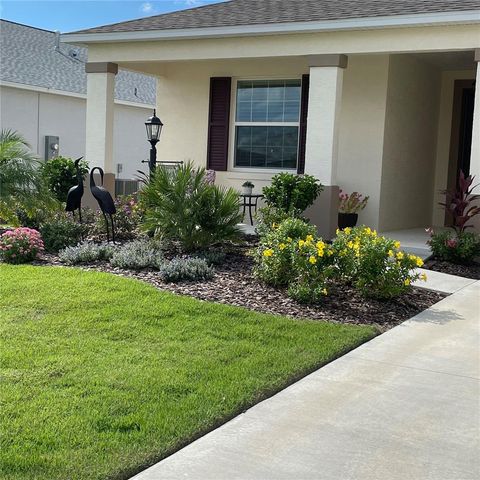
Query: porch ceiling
x,y
463,60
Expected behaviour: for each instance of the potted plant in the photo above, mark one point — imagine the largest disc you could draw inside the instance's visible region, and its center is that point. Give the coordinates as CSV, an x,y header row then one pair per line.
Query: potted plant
x,y
248,188
350,205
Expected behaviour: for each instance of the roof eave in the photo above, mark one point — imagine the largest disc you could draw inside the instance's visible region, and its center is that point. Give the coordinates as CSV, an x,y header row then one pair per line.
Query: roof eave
x,y
425,19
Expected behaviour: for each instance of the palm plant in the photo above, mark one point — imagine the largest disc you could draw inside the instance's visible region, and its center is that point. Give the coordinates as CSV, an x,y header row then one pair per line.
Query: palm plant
x,y
181,206
21,184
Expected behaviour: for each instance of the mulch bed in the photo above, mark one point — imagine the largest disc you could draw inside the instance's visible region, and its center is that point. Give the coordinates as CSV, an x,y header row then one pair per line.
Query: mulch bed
x,y
466,271
234,284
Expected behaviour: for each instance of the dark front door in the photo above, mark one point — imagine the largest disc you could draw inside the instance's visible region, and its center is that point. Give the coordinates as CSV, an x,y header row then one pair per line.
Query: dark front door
x,y
465,133
461,136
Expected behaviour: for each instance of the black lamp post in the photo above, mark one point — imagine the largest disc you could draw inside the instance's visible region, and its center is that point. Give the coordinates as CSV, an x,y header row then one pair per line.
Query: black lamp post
x,y
154,129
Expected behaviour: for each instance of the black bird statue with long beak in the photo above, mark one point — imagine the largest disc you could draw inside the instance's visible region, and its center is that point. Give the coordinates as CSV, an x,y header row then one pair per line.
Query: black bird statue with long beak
x,y
75,194
105,201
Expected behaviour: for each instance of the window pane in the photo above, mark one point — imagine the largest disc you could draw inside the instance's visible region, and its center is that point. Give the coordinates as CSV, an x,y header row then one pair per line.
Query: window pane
x,y
259,136
259,111
292,90
275,112
259,156
244,92
274,157
244,112
289,157
260,90
242,157
268,101
292,111
244,136
276,91
290,136
266,147
275,136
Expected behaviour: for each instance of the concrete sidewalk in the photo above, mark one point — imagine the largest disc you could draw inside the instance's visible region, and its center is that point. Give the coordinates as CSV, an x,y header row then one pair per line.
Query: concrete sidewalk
x,y
403,406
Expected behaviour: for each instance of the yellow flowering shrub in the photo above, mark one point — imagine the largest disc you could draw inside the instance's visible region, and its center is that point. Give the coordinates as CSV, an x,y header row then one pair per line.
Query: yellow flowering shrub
x,y
293,256
373,263
273,258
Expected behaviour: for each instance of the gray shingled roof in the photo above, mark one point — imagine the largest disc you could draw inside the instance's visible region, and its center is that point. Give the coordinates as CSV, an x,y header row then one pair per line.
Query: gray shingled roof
x,y
256,12
28,57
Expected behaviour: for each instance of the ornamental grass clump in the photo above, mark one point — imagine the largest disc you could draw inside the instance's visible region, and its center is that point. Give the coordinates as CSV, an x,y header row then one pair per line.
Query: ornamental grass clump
x,y
20,245
86,252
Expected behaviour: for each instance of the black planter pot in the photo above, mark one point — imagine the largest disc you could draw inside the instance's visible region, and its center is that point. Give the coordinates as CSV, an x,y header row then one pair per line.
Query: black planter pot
x,y
347,220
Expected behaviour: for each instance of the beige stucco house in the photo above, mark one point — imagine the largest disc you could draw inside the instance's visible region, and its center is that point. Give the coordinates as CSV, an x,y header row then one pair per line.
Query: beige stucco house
x,y
367,95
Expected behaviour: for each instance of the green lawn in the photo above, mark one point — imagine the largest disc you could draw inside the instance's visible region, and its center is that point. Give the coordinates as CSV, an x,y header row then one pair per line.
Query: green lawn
x,y
102,375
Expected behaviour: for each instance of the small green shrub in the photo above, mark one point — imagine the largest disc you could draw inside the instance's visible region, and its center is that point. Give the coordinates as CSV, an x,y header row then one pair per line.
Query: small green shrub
x,y
60,231
137,255
182,207
60,175
186,269
277,269
22,186
292,193
20,245
86,252
454,247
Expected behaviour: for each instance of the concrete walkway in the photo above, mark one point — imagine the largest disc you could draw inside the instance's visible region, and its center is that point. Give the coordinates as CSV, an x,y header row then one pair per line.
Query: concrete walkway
x,y
403,406
442,282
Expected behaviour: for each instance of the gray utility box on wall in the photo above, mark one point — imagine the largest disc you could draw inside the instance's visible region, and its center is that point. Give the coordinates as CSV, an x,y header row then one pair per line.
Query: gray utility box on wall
x,y
52,146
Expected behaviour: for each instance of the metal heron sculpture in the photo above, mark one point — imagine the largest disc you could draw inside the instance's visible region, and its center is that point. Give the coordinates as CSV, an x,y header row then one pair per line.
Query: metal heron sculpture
x,y
105,201
75,194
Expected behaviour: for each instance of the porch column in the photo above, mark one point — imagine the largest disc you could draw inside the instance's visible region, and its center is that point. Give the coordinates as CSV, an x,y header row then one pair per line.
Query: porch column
x,y
475,152
324,104
99,128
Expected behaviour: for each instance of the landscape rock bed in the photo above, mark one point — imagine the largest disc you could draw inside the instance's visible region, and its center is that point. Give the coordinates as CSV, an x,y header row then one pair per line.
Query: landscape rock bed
x,y
234,284
466,271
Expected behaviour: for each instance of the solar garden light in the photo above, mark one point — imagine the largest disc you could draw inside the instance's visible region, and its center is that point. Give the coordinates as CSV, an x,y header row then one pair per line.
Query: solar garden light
x,y
154,129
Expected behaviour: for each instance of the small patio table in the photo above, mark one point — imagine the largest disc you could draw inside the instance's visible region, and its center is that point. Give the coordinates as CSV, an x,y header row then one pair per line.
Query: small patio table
x,y
250,201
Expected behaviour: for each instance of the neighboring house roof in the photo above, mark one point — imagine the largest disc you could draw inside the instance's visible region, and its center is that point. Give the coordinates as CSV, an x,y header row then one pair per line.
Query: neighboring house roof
x,y
28,56
263,12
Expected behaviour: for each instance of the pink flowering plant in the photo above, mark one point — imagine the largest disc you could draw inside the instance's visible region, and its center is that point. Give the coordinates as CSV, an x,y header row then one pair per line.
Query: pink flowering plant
x,y
20,245
127,219
450,246
351,203
458,245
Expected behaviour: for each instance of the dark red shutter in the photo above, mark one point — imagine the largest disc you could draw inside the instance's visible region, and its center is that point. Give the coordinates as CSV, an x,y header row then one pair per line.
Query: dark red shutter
x,y
302,136
218,123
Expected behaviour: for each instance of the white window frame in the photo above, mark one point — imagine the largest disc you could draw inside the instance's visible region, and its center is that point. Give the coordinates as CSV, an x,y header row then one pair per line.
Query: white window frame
x,y
234,124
